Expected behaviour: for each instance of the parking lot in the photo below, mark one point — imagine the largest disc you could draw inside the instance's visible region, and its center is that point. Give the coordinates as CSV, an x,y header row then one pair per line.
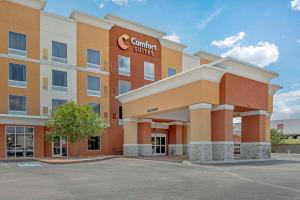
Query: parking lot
x,y
124,178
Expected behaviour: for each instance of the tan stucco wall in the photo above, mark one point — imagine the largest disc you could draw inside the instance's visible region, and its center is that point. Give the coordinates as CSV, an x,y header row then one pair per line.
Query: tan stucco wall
x,y
170,58
200,91
200,125
130,132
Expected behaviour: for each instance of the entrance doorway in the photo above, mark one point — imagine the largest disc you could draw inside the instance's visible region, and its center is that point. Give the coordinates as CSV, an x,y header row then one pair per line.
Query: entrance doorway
x,y
60,148
158,144
19,141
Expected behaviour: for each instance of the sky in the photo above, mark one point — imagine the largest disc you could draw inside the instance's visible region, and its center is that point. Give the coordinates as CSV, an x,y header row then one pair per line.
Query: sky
x,y
262,32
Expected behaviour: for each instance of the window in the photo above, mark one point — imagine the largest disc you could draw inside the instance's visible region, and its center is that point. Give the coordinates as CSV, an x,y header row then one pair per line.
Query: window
x,y
94,143
17,104
17,44
93,59
149,71
171,72
59,80
17,75
59,52
95,107
93,86
124,86
124,65
57,102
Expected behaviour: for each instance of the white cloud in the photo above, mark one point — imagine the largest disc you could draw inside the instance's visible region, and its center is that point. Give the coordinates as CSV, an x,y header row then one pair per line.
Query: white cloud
x,y
229,41
101,5
204,22
295,4
120,2
287,105
298,41
174,37
261,54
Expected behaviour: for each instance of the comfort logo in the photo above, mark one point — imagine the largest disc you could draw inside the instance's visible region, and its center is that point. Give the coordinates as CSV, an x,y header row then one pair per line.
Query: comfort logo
x,y
121,40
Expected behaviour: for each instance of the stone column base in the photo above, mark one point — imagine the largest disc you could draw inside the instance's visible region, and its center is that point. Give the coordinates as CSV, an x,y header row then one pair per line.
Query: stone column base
x,y
175,149
185,149
255,150
200,151
130,150
145,149
223,150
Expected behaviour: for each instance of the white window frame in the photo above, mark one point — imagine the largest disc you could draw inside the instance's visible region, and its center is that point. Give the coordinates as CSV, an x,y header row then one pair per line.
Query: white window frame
x,y
59,59
17,52
14,83
17,112
33,148
93,93
92,65
173,69
57,87
119,86
124,72
147,76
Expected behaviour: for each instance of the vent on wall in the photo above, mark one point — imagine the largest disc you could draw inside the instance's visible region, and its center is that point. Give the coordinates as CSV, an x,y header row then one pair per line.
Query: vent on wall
x,y
45,83
45,54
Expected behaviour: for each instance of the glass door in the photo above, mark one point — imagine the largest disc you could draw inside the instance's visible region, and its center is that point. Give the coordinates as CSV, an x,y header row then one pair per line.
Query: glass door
x,y
158,144
59,147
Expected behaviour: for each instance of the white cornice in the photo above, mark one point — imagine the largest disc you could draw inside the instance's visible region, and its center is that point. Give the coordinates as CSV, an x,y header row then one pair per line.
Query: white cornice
x,y
203,72
273,89
254,112
36,4
125,23
171,44
23,119
22,58
200,106
92,20
245,69
208,56
145,120
59,17
223,107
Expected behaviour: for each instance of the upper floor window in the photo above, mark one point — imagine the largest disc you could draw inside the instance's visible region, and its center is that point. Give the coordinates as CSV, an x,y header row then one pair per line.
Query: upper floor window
x,y
94,143
17,44
17,75
124,86
171,72
57,102
149,71
17,104
93,59
95,107
59,52
93,86
124,65
59,80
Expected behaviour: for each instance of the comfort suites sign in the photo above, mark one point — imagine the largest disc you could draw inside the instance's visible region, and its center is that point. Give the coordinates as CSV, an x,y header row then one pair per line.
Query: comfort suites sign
x,y
142,47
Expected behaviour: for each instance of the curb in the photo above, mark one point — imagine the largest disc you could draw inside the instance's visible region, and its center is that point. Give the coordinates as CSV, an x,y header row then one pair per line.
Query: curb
x,y
61,162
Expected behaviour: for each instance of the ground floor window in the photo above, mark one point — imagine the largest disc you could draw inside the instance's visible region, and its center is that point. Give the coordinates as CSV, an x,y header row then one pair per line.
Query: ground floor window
x,y
94,143
158,144
19,141
59,147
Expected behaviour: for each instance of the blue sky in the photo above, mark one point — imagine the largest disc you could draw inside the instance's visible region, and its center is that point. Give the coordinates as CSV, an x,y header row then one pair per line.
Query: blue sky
x,y
263,32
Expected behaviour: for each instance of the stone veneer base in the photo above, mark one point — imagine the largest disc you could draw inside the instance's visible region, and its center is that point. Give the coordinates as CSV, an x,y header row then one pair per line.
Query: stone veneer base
x,y
255,150
200,151
130,150
223,150
145,149
175,149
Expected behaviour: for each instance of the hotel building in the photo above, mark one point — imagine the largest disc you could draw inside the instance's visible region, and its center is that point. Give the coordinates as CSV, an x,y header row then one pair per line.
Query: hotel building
x,y
157,99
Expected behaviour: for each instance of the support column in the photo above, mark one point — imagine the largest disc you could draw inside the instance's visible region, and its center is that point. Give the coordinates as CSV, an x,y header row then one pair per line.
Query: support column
x,y
254,143
144,137
200,133
222,132
130,146
175,147
186,138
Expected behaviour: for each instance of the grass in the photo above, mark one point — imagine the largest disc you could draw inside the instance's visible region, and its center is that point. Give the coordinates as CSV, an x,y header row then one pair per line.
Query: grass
x,y
290,141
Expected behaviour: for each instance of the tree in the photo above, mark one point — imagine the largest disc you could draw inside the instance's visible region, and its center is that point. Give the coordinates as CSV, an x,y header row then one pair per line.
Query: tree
x,y
74,122
276,138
